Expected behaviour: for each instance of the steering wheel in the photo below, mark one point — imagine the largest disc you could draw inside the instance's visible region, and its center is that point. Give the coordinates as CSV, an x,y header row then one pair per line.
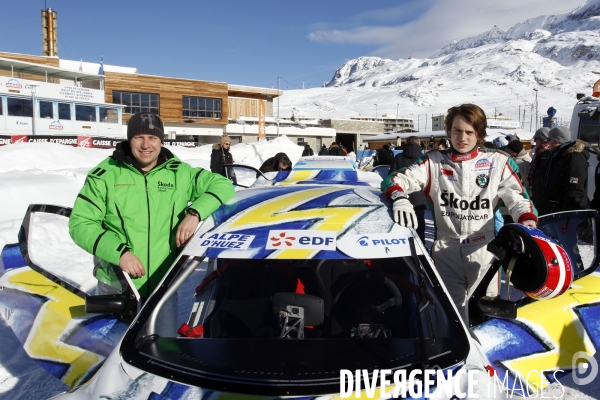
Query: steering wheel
x,y
363,298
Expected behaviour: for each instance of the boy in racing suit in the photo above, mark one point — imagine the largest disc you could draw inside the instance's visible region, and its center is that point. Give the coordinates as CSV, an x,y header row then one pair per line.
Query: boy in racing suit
x,y
464,185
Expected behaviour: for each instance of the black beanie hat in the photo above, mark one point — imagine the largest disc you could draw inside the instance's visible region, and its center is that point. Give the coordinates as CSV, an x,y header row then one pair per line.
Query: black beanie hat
x,y
145,123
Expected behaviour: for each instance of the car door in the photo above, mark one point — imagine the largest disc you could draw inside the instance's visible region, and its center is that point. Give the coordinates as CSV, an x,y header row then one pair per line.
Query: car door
x,y
553,335
45,282
245,176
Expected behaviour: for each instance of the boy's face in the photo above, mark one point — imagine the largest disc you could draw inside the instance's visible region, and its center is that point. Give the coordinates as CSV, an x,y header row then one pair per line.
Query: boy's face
x,y
462,135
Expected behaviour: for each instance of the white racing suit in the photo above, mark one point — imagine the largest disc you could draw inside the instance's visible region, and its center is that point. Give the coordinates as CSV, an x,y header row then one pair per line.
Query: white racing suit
x,y
463,190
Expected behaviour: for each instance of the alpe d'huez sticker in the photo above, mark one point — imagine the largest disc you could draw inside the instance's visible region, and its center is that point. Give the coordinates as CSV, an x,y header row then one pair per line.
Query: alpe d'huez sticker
x,y
287,239
226,240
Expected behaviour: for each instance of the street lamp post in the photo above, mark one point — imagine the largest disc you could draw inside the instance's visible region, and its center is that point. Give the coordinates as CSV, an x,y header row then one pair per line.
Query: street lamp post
x,y
33,87
375,111
397,105
536,109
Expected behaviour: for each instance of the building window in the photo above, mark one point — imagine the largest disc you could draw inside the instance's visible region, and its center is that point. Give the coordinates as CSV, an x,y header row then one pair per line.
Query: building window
x,y
0,105
19,107
200,107
136,102
46,109
108,115
64,111
85,113
300,141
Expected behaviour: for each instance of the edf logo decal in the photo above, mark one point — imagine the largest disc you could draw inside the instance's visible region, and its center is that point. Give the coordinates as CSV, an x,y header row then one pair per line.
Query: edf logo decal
x,y
297,239
381,240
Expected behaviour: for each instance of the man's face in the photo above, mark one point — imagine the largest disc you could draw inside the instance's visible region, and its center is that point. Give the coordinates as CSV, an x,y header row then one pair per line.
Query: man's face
x,y
282,166
145,149
462,135
554,144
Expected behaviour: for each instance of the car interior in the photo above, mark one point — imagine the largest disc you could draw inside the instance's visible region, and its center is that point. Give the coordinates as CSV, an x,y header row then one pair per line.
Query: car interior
x,y
314,299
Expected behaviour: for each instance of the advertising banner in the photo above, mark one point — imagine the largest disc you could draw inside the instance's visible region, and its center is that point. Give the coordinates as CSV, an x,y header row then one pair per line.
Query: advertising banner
x,y
82,141
19,139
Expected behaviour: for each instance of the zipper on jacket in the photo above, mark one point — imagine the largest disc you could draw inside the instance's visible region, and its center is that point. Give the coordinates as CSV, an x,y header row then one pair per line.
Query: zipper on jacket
x,y
148,204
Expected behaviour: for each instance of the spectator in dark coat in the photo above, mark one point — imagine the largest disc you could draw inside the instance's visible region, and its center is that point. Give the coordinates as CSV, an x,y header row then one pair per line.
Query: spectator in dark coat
x,y
279,162
431,143
324,151
335,150
411,153
221,155
537,170
596,200
343,149
565,179
384,156
307,151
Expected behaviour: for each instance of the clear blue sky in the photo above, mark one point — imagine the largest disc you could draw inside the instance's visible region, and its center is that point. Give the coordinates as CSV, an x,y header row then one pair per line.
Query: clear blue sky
x,y
252,42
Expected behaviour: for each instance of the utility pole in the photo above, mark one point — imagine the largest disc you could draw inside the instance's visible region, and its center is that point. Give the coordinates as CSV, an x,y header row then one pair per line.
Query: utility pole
x,y
536,109
531,119
33,124
278,96
397,105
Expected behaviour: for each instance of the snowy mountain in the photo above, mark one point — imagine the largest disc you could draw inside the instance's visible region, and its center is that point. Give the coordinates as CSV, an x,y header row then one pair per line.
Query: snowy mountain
x,y
559,55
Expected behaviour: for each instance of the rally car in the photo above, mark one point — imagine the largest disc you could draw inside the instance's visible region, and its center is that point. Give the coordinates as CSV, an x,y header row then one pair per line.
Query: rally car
x,y
301,275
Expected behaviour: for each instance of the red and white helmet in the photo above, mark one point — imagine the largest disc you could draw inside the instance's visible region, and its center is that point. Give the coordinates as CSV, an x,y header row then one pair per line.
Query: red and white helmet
x,y
535,263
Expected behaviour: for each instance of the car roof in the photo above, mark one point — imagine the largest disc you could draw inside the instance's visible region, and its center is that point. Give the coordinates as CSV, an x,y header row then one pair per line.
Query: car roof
x,y
324,163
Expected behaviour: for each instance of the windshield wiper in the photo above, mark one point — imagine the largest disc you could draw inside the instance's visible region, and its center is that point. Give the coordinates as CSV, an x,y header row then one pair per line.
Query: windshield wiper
x,y
422,298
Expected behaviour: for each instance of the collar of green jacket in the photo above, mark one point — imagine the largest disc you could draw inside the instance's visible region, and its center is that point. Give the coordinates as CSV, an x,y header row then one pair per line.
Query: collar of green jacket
x,y
123,153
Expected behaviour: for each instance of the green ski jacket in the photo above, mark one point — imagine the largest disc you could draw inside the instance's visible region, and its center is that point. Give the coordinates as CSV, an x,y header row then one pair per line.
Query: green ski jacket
x,y
121,208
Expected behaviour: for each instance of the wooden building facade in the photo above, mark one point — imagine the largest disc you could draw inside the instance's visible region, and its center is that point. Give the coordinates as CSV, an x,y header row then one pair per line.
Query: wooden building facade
x,y
189,108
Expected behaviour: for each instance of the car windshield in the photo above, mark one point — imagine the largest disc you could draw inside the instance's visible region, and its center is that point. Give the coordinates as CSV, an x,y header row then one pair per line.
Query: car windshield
x,y
288,318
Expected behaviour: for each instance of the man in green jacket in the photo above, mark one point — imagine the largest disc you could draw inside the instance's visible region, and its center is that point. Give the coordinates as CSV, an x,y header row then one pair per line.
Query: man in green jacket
x,y
133,212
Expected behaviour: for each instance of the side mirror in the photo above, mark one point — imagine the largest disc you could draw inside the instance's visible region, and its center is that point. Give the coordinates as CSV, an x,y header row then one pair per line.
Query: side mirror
x,y
119,305
106,304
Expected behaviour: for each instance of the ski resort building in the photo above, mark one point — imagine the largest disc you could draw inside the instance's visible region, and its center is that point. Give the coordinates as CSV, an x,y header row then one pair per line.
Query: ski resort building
x,y
46,95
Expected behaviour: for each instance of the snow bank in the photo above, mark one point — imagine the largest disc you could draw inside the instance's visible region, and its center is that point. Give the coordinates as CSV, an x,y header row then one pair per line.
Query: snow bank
x,y
51,173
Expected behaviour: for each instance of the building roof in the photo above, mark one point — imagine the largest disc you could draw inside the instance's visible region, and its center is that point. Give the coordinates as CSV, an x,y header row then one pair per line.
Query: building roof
x,y
242,91
46,70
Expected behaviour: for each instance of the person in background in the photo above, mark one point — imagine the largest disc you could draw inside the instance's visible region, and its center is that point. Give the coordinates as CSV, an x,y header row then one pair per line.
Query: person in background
x,y
463,184
515,149
565,179
324,151
537,169
431,143
441,144
500,142
595,204
411,153
221,155
138,206
383,156
307,151
279,162
343,148
334,150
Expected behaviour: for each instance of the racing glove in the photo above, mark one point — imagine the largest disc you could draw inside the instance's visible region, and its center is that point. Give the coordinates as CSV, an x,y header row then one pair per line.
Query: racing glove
x,y
403,210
